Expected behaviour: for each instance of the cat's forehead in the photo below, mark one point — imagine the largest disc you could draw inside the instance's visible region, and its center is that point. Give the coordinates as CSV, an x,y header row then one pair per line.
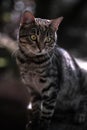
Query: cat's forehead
x,y
42,22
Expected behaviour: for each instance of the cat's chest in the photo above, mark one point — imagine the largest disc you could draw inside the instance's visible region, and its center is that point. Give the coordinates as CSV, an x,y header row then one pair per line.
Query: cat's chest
x,y
38,77
35,80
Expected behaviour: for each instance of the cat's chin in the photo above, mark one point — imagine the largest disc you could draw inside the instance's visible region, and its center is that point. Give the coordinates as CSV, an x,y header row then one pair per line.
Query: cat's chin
x,y
33,54
37,54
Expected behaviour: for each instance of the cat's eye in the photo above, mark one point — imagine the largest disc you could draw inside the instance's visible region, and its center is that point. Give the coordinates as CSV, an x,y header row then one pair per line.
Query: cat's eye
x,y
48,39
33,37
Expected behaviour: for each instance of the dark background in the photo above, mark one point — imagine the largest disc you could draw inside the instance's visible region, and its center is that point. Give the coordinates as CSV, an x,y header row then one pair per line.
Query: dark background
x,y
72,35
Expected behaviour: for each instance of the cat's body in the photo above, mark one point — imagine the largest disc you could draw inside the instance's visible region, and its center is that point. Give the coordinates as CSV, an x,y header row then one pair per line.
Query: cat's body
x,y
49,72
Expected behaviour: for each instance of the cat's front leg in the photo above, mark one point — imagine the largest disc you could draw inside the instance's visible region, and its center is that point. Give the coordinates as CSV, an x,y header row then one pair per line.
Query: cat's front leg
x,y
47,108
81,113
34,113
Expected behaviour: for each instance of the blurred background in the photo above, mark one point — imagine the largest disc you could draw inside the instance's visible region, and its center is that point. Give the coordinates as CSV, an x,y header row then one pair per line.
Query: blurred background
x,y
72,35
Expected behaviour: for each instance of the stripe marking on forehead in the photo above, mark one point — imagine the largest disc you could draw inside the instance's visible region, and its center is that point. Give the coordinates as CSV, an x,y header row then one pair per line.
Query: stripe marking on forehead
x,y
40,21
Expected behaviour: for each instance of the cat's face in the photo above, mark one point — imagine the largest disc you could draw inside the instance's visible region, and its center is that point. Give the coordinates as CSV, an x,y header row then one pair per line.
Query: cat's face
x,y
37,36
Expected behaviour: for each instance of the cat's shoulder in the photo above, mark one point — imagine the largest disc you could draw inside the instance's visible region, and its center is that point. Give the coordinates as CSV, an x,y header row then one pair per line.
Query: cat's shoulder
x,y
65,58
62,53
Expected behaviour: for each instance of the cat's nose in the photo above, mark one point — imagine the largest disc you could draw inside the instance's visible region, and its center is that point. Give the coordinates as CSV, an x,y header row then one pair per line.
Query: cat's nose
x,y
40,47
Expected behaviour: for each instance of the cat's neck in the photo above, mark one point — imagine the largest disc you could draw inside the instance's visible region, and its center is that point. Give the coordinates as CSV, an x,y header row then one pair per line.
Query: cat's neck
x,y
35,59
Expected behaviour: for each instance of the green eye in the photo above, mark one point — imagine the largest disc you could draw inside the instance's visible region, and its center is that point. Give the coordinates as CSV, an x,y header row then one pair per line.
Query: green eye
x,y
33,37
48,39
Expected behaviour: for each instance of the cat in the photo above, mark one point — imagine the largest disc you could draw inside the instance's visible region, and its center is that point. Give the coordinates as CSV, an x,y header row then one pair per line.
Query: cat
x,y
49,72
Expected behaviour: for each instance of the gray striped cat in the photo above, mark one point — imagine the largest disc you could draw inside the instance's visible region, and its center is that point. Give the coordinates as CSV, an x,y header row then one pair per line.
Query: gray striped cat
x,y
48,71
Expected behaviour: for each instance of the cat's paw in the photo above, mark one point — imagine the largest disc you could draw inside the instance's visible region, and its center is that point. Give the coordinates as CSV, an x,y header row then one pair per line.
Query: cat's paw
x,y
32,126
29,126
80,118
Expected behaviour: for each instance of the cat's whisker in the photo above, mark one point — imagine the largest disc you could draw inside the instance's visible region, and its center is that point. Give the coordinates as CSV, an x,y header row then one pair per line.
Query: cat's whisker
x,y
15,52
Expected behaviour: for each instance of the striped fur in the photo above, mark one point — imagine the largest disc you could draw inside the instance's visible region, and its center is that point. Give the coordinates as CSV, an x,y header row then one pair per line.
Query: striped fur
x,y
49,72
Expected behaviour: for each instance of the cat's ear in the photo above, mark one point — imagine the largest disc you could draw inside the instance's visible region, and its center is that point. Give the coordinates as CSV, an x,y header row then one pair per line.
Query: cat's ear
x,y
27,17
56,22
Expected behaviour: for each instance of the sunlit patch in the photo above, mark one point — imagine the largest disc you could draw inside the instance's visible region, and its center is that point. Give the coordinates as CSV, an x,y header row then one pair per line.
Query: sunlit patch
x,y
82,63
29,106
3,62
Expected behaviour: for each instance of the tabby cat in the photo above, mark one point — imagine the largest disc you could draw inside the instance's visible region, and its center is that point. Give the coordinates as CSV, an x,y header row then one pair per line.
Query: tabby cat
x,y
49,72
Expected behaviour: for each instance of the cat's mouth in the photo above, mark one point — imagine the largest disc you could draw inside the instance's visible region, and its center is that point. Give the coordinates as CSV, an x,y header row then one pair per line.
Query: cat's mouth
x,y
41,52
38,53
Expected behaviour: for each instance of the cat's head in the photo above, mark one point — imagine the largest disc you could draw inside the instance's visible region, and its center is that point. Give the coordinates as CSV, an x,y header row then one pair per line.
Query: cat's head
x,y
37,36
